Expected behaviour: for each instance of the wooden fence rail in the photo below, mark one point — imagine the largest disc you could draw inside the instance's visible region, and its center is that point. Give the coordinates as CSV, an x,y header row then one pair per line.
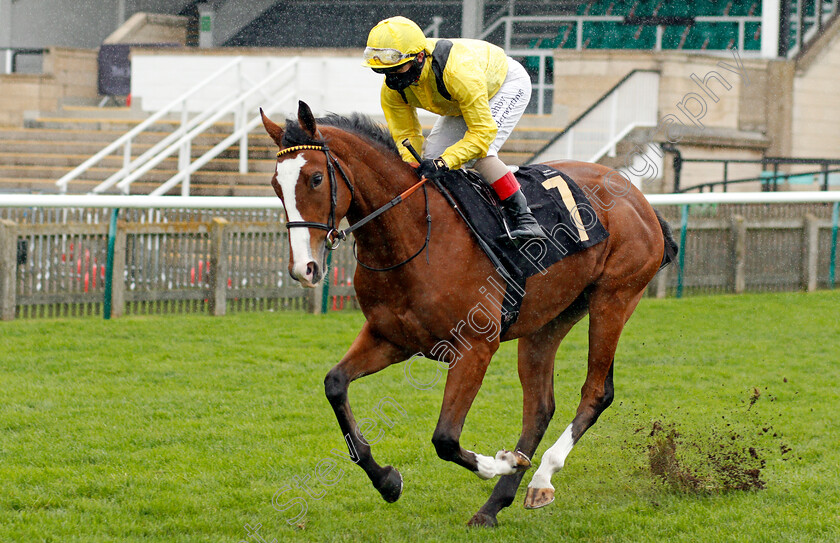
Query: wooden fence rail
x,y
737,255
215,266
222,264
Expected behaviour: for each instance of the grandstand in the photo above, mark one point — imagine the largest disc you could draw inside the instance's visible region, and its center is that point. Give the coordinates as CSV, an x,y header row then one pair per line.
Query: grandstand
x,y
707,25
580,54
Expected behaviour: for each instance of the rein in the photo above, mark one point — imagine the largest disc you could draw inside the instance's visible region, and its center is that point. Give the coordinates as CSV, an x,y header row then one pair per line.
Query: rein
x,y
334,236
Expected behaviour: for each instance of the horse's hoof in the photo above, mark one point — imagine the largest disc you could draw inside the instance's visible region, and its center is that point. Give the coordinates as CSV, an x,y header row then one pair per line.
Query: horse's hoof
x,y
538,497
482,520
522,461
391,486
511,462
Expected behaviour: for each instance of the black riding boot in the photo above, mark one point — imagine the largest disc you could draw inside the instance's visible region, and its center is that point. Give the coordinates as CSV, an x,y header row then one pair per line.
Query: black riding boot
x,y
522,223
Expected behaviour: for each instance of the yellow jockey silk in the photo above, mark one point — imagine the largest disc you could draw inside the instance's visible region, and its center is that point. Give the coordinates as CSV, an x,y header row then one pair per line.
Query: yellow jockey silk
x,y
473,74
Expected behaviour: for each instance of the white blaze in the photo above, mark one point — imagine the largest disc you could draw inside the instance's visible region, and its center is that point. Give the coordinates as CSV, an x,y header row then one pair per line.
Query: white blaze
x,y
288,172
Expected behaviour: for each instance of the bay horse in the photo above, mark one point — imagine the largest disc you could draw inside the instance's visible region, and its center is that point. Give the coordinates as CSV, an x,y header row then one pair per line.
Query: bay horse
x,y
337,167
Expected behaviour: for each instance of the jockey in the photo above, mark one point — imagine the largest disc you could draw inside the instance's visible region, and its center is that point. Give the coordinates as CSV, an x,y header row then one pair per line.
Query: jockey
x,y
479,92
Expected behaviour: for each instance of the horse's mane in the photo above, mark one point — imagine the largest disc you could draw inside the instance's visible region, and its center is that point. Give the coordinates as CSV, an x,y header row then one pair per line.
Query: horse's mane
x,y
356,123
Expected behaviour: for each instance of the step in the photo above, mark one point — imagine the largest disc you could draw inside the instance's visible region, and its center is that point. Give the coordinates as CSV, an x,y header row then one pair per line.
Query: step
x,y
120,125
556,120
516,145
47,186
535,132
514,159
106,112
88,149
104,137
116,162
252,190
154,176
50,136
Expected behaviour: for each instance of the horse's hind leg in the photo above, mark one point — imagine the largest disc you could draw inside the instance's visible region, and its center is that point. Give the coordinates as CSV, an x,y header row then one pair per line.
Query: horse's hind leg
x,y
536,368
367,355
607,315
462,383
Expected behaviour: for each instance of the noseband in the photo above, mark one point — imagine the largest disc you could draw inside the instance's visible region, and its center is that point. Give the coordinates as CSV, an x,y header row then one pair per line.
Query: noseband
x,y
334,236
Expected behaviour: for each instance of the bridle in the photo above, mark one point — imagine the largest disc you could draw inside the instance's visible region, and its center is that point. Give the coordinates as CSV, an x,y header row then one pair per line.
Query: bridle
x,y
335,236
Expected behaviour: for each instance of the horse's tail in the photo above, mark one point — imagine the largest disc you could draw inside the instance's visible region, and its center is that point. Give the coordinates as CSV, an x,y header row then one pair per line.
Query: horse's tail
x,y
671,247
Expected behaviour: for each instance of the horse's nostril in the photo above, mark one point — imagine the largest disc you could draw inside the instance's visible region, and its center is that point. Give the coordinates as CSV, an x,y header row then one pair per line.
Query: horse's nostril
x,y
310,269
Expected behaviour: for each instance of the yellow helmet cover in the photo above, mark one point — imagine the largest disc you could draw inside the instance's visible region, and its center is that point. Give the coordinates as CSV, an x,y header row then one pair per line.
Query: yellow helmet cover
x,y
393,42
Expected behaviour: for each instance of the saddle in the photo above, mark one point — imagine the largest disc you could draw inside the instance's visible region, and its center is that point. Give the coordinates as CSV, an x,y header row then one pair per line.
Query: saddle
x,y
560,207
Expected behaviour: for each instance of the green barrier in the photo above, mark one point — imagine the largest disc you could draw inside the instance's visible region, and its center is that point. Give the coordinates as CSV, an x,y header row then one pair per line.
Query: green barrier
x,y
832,267
325,293
683,233
109,265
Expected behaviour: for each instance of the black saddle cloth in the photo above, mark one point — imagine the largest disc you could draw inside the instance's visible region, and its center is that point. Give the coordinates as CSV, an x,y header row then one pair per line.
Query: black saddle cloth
x,y
558,204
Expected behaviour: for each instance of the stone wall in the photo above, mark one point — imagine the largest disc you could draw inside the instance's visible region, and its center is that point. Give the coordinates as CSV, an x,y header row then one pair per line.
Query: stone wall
x,y
68,74
815,123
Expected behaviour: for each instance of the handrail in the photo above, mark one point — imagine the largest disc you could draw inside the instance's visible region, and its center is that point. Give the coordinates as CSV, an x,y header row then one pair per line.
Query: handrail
x,y
152,151
541,85
502,12
217,149
126,138
768,181
827,166
271,202
620,135
580,118
186,139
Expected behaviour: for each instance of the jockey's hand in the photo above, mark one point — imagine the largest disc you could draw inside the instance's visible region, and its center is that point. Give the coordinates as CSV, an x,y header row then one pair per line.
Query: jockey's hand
x,y
432,168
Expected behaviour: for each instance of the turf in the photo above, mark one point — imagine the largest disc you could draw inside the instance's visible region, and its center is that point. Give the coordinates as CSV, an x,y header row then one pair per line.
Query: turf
x,y
183,428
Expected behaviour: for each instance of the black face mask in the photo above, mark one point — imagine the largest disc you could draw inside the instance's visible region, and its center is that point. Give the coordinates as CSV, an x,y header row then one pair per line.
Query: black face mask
x,y
400,81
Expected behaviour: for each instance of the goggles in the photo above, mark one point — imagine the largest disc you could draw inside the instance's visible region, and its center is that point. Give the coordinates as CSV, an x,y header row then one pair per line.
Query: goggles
x,y
385,56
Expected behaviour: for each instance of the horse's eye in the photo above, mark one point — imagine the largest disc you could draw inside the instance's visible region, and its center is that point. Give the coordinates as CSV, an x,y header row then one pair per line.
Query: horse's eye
x,y
316,179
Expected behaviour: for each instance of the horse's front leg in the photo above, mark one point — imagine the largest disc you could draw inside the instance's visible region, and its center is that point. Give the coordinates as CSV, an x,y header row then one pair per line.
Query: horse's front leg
x,y
462,383
368,354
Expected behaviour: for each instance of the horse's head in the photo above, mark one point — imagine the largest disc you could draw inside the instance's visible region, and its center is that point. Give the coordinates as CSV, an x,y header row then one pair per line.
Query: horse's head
x,y
315,200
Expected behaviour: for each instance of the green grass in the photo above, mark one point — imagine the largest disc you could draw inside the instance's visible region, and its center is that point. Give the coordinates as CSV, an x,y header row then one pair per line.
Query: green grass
x,y
181,428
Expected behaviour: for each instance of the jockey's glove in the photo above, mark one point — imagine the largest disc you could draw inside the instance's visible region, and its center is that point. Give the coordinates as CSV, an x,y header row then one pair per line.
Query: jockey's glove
x,y
432,168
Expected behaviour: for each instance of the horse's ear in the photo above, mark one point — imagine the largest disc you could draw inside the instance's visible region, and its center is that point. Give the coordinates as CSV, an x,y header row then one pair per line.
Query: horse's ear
x,y
306,119
272,128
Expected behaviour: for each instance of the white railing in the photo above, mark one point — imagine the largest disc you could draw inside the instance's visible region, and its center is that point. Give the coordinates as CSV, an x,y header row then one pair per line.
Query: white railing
x,y
630,104
542,85
127,139
107,201
240,134
268,202
181,139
